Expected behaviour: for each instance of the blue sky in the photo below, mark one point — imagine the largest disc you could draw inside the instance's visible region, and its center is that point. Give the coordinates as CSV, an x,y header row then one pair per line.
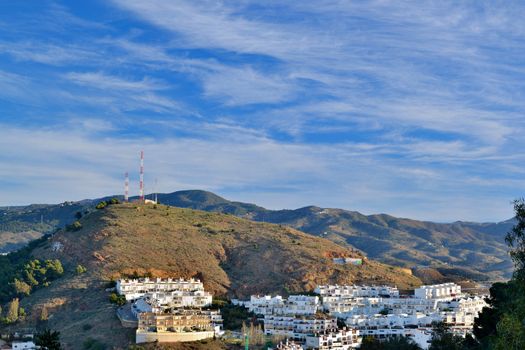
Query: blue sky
x,y
413,108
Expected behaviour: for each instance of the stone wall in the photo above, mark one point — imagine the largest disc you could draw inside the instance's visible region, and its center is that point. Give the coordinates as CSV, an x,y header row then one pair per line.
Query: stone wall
x,y
170,337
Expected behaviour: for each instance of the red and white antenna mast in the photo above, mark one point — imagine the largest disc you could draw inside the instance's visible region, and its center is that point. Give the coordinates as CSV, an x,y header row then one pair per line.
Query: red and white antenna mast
x,y
126,187
142,176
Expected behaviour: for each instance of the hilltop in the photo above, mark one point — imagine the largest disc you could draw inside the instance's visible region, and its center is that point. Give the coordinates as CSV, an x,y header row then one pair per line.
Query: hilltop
x,y
232,256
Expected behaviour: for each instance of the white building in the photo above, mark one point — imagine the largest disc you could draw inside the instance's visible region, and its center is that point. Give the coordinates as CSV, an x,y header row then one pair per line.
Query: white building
x,y
377,311
410,305
346,301
472,305
354,291
459,316
301,305
288,345
267,305
23,345
352,261
388,321
438,291
261,305
161,301
133,289
297,327
345,306
170,310
337,339
421,336
178,326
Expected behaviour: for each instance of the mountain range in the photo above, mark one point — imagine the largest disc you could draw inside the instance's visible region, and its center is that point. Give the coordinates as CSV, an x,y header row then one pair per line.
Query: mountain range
x,y
434,251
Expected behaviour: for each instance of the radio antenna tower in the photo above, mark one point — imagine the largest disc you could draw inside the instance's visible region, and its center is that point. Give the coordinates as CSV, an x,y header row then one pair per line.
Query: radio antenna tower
x,y
142,176
156,194
126,187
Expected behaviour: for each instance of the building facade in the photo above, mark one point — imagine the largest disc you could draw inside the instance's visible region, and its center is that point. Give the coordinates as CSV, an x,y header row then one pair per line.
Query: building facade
x,y
297,328
298,305
438,291
179,325
288,345
133,289
336,339
354,291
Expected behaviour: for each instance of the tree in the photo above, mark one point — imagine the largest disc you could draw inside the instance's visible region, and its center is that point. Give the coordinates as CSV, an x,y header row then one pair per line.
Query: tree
x,y
48,340
516,239
117,299
486,322
259,335
501,325
114,201
31,278
80,269
511,335
21,288
392,343
370,343
93,344
384,311
102,205
44,314
75,226
78,215
21,313
12,311
402,343
470,343
444,339
54,268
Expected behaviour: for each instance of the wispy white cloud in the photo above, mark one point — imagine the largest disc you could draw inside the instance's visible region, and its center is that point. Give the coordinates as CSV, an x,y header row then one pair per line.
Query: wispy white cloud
x,y
12,85
246,86
64,16
103,81
48,53
90,124
122,94
210,24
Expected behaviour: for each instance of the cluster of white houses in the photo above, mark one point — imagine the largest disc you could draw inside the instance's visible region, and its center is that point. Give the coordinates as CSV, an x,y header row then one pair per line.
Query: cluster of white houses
x,y
170,310
268,305
375,311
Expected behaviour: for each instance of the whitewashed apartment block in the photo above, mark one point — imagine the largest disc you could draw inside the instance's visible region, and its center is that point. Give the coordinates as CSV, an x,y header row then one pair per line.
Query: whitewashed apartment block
x,y
135,288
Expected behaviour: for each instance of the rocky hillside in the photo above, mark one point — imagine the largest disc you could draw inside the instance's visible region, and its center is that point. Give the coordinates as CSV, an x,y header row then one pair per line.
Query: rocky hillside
x,y
232,256
455,250
450,251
